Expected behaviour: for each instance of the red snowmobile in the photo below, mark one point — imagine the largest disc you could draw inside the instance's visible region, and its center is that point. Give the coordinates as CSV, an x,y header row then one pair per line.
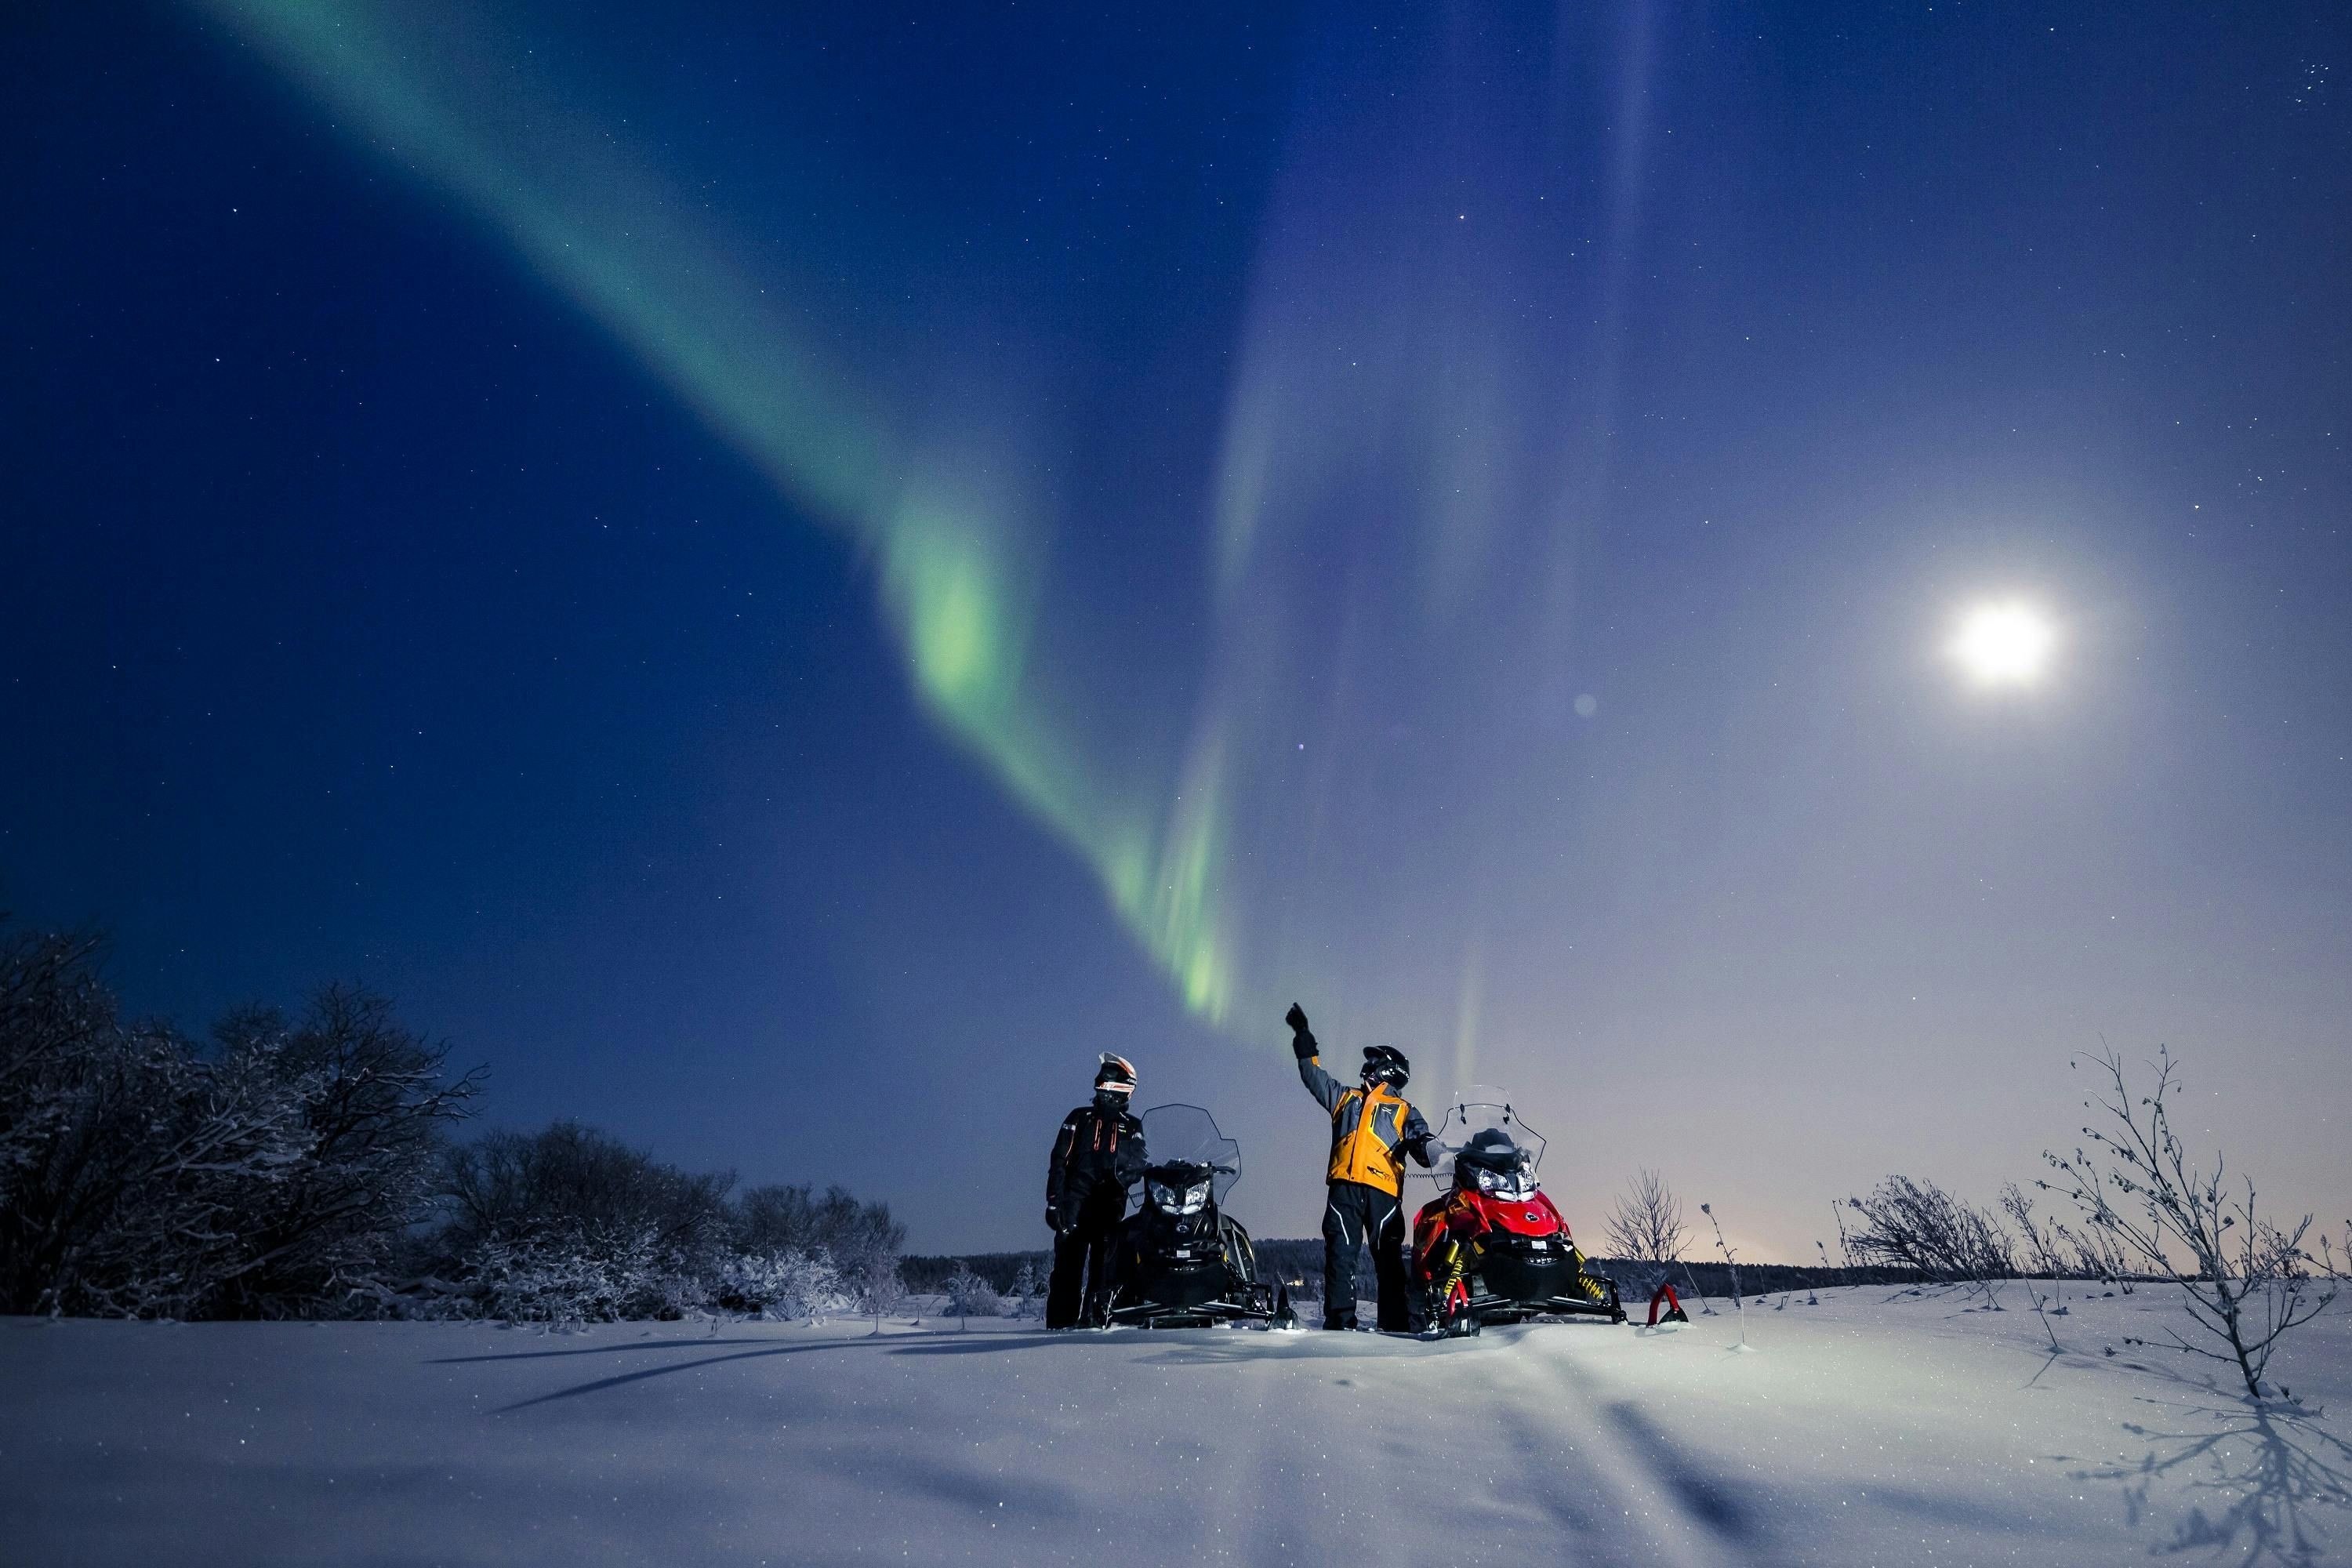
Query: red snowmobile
x,y
1491,1249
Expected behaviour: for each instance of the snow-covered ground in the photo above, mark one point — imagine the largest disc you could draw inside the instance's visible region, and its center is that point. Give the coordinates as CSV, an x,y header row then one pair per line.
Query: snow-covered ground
x,y
1863,1430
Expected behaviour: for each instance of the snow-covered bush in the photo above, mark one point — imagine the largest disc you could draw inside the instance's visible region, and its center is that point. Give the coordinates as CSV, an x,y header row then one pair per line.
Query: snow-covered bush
x,y
852,1235
790,1284
2135,1184
969,1296
563,1275
568,1223
572,1182
568,1274
1918,1225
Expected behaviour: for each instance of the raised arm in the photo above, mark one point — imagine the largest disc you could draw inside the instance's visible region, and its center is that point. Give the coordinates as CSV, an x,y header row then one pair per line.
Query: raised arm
x,y
1326,1089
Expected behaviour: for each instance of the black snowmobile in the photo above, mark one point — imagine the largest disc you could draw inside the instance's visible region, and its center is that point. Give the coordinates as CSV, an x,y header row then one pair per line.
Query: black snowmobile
x,y
1180,1262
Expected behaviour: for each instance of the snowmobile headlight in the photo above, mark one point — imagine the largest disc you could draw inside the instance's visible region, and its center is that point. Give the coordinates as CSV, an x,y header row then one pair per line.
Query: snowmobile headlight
x,y
1488,1182
1169,1198
1518,1186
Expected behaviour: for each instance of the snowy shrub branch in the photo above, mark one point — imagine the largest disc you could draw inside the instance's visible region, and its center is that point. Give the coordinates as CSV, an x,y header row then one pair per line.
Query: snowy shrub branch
x,y
1911,1225
1646,1225
2247,1279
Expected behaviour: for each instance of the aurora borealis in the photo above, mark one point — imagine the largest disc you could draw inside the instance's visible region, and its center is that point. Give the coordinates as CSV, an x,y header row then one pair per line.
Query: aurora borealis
x,y
751,565
464,108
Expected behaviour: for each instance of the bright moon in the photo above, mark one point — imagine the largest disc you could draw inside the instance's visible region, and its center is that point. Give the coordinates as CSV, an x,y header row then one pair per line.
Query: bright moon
x,y
2004,644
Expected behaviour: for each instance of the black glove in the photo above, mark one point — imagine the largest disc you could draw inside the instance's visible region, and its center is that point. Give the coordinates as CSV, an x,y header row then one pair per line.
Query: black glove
x,y
1302,1041
1053,1220
1419,1149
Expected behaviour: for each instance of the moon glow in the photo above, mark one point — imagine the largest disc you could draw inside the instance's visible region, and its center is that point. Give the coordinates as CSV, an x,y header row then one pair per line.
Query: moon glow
x,y
2006,644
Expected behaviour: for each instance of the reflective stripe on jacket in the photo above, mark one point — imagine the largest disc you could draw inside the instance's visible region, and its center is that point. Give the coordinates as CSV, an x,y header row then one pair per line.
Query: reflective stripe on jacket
x,y
1095,1149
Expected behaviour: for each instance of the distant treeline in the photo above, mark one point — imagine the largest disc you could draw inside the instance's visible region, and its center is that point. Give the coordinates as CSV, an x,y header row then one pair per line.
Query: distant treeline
x,y
304,1166
1755,1278
927,1276
1298,1264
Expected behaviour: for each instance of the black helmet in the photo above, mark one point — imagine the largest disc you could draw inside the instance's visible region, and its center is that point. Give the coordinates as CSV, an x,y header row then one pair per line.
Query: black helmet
x,y
1386,1064
1491,1163
1492,1148
1116,1076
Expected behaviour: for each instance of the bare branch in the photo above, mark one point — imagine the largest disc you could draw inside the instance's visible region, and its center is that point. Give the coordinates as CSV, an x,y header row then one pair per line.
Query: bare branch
x,y
2245,1280
1647,1224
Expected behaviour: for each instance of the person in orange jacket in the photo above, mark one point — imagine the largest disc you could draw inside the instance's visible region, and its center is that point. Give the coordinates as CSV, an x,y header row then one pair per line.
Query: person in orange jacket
x,y
1372,1128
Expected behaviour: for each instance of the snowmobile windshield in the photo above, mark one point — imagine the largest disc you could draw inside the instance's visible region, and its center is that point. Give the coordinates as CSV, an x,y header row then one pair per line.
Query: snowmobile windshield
x,y
1186,1135
1482,1123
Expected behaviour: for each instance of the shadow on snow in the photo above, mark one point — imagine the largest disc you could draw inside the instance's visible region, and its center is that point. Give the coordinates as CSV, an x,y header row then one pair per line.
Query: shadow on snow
x,y
2274,1474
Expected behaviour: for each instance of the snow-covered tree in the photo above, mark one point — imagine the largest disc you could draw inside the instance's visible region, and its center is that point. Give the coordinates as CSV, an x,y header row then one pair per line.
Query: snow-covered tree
x,y
969,1296
1025,1288
275,1174
881,1290
374,1102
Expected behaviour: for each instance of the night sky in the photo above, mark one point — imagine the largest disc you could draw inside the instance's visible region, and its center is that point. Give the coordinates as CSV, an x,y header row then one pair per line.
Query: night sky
x,y
785,575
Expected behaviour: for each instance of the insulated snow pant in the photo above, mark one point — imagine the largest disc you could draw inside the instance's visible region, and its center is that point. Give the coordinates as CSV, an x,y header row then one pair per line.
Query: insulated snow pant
x,y
1082,1260
1355,1214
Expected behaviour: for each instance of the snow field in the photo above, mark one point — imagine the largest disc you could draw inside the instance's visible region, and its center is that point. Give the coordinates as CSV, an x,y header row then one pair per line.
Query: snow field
x,y
1868,1429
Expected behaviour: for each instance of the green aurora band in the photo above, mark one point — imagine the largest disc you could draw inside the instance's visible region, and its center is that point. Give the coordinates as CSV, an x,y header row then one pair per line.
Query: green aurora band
x,y
468,119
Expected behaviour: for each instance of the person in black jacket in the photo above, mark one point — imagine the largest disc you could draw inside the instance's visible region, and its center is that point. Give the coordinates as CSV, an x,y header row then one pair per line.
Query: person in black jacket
x,y
1096,1157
